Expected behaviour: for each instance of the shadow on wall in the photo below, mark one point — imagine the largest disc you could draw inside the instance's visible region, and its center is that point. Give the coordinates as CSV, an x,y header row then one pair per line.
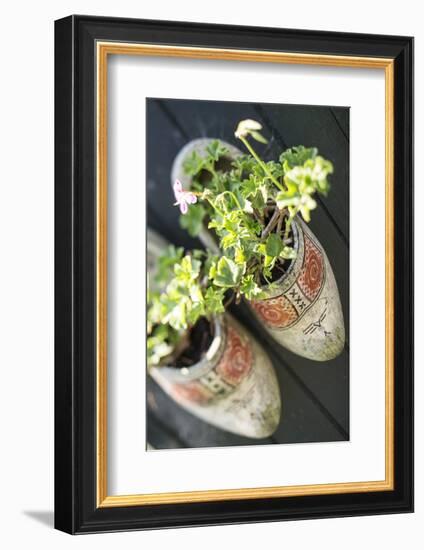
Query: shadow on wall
x,y
46,517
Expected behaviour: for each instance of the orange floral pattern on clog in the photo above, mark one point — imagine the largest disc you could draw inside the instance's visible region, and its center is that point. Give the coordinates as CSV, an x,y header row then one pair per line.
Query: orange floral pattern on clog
x,y
237,359
284,310
275,312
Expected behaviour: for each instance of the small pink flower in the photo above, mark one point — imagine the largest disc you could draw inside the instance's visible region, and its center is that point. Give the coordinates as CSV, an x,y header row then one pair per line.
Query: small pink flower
x,y
183,198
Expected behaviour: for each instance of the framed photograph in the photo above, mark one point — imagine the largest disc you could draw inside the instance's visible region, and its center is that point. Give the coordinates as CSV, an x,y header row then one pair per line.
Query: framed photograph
x,y
234,269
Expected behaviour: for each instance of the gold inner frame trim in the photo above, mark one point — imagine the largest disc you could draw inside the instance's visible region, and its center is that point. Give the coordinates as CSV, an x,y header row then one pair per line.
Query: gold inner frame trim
x,y
104,49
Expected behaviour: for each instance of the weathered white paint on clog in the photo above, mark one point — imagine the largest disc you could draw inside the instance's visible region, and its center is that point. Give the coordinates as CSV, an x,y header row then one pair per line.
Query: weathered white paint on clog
x,y
178,173
234,387
302,310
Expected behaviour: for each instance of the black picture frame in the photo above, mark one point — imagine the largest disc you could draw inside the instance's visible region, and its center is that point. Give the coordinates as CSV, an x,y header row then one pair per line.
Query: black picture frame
x,y
76,509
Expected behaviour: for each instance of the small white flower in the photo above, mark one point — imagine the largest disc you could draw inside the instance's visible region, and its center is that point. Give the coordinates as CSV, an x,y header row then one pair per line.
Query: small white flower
x,y
247,126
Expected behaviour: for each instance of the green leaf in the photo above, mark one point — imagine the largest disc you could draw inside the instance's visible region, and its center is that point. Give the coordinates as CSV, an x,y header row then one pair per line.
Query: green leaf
x,y
259,137
249,287
228,273
239,256
161,341
196,293
177,316
249,186
321,168
284,200
187,270
245,165
288,253
231,222
214,298
199,254
275,168
307,204
194,312
216,149
213,269
192,221
269,262
193,164
264,192
166,262
261,249
229,240
209,260
274,245
258,200
297,156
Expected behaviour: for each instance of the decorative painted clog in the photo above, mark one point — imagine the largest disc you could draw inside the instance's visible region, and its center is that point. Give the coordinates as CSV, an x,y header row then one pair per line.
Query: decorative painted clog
x,y
233,387
177,173
302,310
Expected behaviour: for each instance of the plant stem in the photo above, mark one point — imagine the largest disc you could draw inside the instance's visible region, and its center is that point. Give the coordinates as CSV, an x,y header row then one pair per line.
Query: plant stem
x,y
215,208
211,168
280,222
288,223
272,222
261,163
258,216
230,299
232,195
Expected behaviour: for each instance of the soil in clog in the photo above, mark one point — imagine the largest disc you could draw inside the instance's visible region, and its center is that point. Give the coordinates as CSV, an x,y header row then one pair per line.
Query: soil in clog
x,y
198,342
